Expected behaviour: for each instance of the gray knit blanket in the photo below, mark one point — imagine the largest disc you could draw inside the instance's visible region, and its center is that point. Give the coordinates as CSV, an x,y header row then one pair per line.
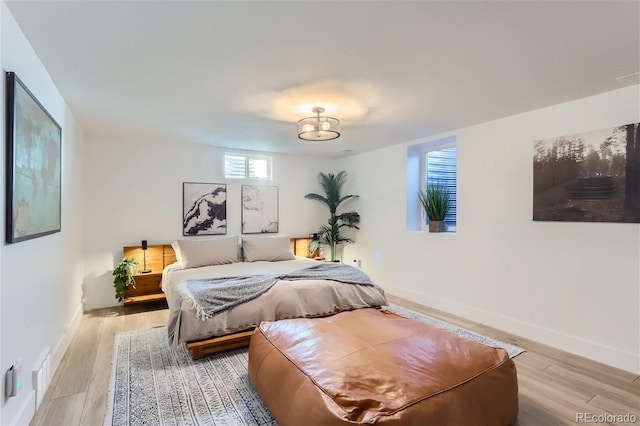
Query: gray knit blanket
x,y
213,295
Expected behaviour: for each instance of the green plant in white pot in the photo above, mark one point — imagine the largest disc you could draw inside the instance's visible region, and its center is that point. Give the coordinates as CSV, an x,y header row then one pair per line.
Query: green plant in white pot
x,y
436,202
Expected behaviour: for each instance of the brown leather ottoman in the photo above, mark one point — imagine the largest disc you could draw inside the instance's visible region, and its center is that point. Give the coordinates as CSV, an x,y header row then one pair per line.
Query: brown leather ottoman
x,y
369,367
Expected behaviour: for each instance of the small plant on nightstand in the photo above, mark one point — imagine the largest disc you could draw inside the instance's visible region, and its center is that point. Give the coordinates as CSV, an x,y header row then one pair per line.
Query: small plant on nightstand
x,y
123,276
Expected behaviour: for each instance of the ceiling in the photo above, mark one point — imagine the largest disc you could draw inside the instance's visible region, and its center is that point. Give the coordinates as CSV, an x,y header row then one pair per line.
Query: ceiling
x,y
240,74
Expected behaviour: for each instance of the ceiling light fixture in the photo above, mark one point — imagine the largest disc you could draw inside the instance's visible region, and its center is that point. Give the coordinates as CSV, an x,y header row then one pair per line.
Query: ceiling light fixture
x,y
318,128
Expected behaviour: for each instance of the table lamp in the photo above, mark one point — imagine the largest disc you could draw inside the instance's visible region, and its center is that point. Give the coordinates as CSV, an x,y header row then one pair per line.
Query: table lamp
x,y
144,251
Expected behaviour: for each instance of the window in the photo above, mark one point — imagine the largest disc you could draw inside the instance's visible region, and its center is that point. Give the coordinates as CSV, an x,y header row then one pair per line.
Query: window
x,y
431,162
243,166
440,169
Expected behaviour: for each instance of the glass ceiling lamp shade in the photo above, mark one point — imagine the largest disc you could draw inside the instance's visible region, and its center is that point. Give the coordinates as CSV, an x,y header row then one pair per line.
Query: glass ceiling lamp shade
x,y
318,128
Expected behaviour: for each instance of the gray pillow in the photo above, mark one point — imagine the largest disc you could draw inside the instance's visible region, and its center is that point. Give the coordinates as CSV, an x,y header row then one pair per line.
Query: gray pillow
x,y
195,253
271,249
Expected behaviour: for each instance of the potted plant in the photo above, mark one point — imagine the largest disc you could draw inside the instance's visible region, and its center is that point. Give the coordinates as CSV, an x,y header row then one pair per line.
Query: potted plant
x,y
436,202
123,276
331,234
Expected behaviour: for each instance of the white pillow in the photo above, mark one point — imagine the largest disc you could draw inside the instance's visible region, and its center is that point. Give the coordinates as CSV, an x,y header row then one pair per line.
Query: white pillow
x,y
195,253
176,250
271,249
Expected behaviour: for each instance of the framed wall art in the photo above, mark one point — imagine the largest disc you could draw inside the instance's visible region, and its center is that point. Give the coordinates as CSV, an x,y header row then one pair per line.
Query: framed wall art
x,y
259,209
588,177
33,168
204,208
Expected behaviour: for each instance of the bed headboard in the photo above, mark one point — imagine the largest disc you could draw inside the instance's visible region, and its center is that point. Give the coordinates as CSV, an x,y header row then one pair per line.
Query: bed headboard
x,y
300,247
158,256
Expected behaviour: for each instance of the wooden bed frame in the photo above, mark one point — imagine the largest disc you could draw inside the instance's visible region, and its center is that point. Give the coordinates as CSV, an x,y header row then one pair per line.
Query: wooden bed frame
x,y
202,348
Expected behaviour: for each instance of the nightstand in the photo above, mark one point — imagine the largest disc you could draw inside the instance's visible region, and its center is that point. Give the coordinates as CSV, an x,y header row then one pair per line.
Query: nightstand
x,y
300,247
147,289
148,285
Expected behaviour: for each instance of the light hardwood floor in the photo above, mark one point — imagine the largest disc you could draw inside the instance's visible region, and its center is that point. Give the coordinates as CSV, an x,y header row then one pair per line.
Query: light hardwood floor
x,y
553,385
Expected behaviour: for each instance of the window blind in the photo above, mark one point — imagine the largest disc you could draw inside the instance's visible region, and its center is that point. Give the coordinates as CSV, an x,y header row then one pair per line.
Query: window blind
x,y
259,168
240,166
235,166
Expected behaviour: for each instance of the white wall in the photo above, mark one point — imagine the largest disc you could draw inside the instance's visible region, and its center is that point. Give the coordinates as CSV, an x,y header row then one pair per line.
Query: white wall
x,y
574,286
40,289
133,191
2,160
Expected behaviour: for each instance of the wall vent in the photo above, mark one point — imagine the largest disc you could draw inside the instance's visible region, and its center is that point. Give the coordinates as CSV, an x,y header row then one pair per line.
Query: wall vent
x,y
42,378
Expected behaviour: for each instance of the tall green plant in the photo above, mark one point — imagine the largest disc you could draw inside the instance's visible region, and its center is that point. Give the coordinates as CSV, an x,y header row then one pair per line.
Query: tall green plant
x,y
331,234
435,200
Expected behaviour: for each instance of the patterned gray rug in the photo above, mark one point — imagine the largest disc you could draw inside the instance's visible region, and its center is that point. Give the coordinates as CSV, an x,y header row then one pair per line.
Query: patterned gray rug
x,y
512,350
153,385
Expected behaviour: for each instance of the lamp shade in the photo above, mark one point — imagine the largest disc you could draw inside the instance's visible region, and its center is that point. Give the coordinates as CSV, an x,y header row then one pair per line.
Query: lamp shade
x,y
318,128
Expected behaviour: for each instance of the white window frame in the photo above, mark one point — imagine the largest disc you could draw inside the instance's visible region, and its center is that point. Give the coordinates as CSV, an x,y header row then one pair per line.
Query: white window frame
x,y
247,162
423,179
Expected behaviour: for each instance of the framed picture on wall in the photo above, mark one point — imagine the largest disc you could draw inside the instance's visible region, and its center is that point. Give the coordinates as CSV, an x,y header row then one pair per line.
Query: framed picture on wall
x,y
33,169
259,209
588,177
204,207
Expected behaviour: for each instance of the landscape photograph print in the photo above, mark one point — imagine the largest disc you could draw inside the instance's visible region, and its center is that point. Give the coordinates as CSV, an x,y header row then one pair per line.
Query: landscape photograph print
x,y
205,208
588,177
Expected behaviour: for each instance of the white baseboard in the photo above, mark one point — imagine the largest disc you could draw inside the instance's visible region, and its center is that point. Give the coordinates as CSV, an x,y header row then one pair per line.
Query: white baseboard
x,y
576,345
26,412
100,302
65,340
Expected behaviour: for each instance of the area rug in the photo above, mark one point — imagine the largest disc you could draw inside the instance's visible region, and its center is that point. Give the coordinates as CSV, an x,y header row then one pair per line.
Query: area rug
x,y
154,385
512,350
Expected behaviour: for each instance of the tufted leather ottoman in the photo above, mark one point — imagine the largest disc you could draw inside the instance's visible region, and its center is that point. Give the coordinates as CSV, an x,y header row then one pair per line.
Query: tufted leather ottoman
x,y
370,367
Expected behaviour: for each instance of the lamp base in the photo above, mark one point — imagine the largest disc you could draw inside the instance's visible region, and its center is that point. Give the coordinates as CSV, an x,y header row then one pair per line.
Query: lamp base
x,y
146,271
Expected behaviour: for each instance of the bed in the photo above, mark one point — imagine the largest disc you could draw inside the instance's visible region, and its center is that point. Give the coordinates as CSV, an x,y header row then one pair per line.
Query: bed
x,y
287,298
